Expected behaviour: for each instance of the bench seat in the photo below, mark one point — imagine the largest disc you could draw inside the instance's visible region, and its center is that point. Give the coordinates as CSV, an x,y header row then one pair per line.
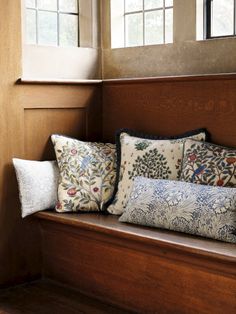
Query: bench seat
x,y
138,268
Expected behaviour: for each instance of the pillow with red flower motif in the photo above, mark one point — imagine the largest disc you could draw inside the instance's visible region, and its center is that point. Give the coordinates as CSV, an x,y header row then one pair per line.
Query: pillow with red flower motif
x,y
87,174
208,164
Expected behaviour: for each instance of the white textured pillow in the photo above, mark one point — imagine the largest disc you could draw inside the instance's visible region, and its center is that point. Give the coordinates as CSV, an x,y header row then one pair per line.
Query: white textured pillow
x,y
38,182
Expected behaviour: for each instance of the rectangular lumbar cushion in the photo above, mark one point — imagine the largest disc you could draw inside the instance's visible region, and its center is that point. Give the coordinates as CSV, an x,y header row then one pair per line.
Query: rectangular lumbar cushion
x,y
210,164
87,173
148,156
185,207
37,182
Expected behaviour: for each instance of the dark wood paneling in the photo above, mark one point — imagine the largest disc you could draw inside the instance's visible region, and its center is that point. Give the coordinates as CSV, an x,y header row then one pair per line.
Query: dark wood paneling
x,y
68,121
29,115
48,297
139,268
170,106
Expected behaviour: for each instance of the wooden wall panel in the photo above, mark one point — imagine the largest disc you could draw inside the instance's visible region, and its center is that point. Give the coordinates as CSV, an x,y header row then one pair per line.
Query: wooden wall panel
x,y
39,124
30,114
171,106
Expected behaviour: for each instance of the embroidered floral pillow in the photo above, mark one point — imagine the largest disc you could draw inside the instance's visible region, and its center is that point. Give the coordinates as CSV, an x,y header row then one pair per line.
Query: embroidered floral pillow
x,y
146,156
209,164
206,211
87,174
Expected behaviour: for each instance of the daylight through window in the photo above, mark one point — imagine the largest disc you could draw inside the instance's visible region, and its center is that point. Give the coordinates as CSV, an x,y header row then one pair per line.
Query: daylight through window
x,y
143,22
52,22
220,18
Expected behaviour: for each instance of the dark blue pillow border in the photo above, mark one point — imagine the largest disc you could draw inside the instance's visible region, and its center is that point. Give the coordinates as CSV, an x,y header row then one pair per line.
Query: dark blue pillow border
x,y
149,137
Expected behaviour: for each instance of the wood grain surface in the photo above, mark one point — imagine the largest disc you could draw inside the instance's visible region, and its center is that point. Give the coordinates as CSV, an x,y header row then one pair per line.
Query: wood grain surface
x,y
171,106
29,113
48,297
139,268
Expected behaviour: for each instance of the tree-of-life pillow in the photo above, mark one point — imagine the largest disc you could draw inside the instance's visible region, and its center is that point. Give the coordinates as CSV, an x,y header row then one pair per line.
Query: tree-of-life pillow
x,y
149,156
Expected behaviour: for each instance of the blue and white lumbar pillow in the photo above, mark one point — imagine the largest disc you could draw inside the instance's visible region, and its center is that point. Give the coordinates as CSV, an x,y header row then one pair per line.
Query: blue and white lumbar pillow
x,y
201,210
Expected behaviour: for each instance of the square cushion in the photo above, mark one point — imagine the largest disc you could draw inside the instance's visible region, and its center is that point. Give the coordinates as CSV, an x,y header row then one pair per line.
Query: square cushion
x,y
209,164
201,210
38,182
87,174
149,156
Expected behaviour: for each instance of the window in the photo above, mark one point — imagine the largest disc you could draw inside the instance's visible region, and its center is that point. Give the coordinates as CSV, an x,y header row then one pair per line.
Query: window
x,y
52,22
141,22
219,18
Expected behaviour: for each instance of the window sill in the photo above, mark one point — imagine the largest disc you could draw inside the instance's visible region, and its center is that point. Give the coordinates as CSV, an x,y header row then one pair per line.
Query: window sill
x,y
34,81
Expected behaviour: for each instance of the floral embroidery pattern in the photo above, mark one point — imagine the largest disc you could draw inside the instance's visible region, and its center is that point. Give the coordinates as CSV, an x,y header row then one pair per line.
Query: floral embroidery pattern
x,y
151,165
209,164
185,207
151,158
87,174
142,145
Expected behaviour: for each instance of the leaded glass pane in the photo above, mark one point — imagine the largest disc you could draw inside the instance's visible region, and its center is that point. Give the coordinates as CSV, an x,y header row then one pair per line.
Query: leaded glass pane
x,y
68,30
133,5
68,6
47,5
47,28
31,26
153,4
134,29
222,17
154,27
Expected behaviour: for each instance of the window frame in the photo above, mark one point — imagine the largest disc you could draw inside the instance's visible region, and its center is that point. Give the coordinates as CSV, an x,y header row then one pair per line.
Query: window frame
x,y
207,22
143,11
58,12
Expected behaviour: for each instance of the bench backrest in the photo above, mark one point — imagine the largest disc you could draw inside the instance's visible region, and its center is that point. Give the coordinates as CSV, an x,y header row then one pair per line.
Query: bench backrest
x,y
171,106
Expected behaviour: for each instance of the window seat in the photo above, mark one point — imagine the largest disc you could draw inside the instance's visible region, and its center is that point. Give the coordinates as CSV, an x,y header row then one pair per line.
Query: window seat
x,y
138,268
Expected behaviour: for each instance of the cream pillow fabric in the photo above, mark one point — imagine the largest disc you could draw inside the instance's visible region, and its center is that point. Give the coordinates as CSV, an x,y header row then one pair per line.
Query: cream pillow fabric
x,y
148,157
37,181
87,174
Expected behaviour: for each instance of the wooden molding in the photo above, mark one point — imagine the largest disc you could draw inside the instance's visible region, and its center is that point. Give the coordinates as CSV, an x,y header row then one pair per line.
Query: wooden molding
x,y
57,81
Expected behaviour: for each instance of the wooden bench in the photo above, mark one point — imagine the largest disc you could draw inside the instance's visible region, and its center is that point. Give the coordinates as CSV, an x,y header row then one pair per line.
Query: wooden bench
x,y
138,268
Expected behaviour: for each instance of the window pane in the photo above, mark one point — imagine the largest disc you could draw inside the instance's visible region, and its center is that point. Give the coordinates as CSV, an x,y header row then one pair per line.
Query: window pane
x,y
222,17
168,3
47,4
47,28
169,26
153,4
154,27
134,30
68,30
200,24
30,26
133,5
68,6
30,3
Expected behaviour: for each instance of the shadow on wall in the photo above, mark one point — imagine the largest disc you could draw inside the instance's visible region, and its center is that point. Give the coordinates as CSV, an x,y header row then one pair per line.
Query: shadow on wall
x,y
18,237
